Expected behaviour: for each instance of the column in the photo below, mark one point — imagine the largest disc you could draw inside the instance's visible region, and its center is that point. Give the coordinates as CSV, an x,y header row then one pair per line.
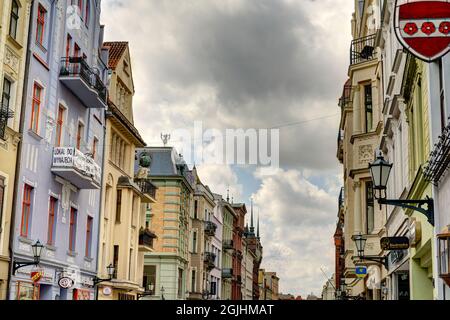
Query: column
x,y
357,207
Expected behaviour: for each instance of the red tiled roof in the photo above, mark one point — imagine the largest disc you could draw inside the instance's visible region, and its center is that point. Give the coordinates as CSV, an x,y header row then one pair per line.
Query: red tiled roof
x,y
116,50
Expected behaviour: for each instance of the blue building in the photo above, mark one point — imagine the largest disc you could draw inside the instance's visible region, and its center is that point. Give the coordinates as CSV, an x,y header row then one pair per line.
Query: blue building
x,y
57,197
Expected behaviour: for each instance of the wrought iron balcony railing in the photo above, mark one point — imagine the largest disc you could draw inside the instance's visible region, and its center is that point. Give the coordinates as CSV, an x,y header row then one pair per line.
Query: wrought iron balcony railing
x,y
227,273
439,160
210,228
341,198
5,114
362,49
146,187
146,238
346,95
85,82
227,244
210,259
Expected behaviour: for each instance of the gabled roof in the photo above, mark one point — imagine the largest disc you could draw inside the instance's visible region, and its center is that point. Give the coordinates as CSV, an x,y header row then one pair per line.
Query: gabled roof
x,y
116,50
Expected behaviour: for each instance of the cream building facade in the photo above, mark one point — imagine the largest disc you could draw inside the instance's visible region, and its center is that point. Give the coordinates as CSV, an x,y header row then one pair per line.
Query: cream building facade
x,y
123,232
360,130
14,22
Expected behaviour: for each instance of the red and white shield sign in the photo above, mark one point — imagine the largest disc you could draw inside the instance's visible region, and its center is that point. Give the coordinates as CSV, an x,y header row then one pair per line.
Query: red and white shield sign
x,y
423,27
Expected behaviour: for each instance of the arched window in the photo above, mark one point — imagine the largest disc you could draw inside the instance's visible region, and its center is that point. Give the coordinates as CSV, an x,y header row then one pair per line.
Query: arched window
x,y
14,19
87,13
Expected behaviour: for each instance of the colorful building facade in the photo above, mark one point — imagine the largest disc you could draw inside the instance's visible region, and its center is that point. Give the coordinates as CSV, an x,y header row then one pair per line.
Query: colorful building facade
x,y
14,21
57,198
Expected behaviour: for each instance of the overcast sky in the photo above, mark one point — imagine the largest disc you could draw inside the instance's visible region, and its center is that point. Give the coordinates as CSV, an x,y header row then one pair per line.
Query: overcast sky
x,y
251,64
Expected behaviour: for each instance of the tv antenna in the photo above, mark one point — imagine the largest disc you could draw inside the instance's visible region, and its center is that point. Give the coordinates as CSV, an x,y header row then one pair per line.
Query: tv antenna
x,y
165,138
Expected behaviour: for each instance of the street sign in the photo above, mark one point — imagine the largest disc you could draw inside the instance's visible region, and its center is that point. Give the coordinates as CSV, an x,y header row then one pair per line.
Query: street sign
x,y
361,272
394,243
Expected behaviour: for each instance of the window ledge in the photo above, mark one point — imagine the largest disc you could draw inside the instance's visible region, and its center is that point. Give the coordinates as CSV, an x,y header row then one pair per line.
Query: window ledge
x,y
15,42
50,247
87,259
25,240
72,254
35,135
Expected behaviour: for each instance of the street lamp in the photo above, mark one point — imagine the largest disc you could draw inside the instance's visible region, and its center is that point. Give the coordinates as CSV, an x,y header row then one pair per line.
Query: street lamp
x,y
360,242
37,251
381,170
111,270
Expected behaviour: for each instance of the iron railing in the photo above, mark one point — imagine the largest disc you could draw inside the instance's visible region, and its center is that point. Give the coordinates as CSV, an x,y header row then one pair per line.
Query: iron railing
x,y
5,114
146,187
439,160
341,198
227,244
146,238
210,259
78,67
346,96
362,49
210,228
227,273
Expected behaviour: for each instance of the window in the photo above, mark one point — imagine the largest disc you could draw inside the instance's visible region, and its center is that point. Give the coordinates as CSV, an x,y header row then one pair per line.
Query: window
x,y
194,241
80,133
442,95
370,214
14,19
59,125
73,229
2,194
196,209
68,49
80,7
130,265
118,205
40,26
27,291
368,107
35,108
89,237
26,211
87,14
149,279
76,51
115,260
193,281
52,209
6,96
180,283
94,147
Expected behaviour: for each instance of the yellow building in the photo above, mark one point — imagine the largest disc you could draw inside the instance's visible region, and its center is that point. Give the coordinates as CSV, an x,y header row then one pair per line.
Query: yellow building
x,y
360,131
123,234
14,21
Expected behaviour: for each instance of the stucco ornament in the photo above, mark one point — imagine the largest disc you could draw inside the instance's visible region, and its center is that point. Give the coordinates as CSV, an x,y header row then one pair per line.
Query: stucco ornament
x,y
366,153
65,200
373,18
144,164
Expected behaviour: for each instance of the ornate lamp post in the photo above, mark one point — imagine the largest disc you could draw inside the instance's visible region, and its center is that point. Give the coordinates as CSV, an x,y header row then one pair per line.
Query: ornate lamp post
x,y
381,170
37,251
111,270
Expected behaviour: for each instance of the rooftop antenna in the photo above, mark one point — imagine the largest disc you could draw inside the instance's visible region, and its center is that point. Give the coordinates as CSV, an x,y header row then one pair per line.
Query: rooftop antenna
x,y
328,280
228,195
165,138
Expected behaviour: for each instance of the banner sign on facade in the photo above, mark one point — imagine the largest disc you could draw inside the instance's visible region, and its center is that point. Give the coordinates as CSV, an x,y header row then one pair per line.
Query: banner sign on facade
x,y
423,27
394,243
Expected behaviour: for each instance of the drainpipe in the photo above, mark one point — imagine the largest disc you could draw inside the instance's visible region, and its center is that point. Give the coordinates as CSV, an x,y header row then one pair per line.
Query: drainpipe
x,y
19,153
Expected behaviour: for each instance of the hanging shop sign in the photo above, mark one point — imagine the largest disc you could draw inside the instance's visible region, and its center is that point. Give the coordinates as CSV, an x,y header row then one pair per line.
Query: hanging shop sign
x,y
394,243
65,283
361,272
423,27
36,276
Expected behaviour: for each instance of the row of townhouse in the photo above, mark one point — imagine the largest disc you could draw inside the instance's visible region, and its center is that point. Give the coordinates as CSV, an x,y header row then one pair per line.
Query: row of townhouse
x,y
87,210
394,107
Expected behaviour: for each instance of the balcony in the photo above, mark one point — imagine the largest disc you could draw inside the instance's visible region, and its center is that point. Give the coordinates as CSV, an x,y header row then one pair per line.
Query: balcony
x,y
210,228
341,198
346,95
77,168
227,273
84,82
362,49
5,114
227,244
148,189
209,260
439,160
146,238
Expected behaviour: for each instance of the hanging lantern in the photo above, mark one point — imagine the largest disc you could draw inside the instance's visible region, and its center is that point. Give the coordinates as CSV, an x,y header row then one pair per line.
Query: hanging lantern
x,y
444,256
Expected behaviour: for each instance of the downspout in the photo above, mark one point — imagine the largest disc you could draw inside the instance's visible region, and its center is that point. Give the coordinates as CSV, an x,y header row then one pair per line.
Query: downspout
x,y
19,153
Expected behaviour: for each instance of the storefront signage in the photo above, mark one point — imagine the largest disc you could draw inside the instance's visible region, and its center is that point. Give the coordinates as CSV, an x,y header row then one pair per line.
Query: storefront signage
x,y
423,28
65,283
107,291
361,272
394,243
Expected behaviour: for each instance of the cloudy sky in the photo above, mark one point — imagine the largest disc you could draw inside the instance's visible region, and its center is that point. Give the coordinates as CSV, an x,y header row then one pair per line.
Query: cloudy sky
x,y
251,64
